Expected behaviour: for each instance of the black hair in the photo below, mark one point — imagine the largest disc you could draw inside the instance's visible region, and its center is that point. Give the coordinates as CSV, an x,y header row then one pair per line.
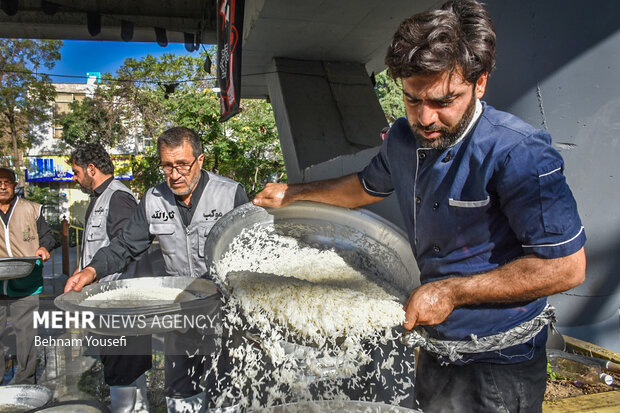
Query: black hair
x,y
175,137
93,153
457,36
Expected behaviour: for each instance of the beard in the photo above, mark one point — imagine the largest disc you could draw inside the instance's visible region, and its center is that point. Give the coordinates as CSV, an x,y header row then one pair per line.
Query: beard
x,y
190,186
87,185
449,136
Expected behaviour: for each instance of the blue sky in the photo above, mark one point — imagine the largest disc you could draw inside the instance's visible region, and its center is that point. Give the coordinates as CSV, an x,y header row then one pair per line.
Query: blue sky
x,y
82,56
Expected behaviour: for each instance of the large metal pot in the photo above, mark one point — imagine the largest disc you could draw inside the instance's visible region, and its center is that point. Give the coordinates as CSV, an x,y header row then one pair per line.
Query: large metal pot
x,y
16,267
365,240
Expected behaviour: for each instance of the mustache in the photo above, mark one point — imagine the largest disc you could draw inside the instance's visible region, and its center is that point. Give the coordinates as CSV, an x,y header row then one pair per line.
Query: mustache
x,y
430,128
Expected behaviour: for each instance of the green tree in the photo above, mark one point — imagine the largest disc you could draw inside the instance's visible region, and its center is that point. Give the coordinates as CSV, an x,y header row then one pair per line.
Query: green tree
x,y
389,92
257,156
154,93
25,95
92,120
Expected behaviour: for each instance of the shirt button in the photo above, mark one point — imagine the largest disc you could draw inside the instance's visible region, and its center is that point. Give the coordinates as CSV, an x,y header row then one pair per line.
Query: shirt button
x,y
418,199
436,248
436,205
422,155
448,158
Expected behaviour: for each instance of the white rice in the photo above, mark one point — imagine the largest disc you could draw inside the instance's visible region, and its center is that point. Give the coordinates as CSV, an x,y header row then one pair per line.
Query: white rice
x,y
289,293
132,297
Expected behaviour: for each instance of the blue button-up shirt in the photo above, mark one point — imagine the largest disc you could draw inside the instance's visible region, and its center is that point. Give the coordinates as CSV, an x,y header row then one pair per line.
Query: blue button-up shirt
x,y
496,195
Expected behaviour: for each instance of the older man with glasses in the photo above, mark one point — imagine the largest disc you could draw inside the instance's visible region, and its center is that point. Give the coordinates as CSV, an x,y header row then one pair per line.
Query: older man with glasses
x,y
179,212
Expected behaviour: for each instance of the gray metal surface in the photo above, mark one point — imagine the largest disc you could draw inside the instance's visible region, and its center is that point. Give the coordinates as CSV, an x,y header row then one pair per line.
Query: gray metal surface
x,y
199,295
16,267
329,406
23,397
365,240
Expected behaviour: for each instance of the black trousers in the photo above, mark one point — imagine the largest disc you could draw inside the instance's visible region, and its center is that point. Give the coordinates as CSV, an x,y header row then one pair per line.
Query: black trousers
x,y
185,362
480,387
123,367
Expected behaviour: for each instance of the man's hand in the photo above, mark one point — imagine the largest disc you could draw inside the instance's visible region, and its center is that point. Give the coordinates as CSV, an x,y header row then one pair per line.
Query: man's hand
x,y
43,253
429,304
81,278
273,196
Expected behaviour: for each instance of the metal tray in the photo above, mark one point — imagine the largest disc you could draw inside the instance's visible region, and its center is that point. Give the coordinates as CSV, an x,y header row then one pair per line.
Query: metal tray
x,y
16,267
199,296
365,240
23,397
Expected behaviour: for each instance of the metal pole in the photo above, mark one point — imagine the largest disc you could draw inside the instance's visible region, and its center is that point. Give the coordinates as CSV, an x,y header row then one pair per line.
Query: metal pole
x,y
64,242
77,245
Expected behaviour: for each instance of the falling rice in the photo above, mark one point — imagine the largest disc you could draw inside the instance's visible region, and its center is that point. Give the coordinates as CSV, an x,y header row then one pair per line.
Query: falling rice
x,y
311,313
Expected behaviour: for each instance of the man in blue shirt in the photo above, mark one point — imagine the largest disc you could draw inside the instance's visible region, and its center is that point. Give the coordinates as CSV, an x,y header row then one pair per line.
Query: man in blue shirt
x,y
490,218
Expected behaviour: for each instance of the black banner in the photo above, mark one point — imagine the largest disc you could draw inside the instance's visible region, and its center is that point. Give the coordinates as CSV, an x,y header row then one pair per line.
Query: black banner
x,y
229,37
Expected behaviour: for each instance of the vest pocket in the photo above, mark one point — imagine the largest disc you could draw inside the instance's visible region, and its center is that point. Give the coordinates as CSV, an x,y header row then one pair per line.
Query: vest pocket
x,y
161,229
164,233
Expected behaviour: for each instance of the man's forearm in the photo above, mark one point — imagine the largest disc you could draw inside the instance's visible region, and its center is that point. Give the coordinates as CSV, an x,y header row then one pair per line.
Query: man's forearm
x,y
524,279
345,191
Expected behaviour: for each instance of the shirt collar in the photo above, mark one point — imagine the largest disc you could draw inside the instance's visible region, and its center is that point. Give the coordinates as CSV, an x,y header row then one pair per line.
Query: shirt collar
x,y
472,122
99,190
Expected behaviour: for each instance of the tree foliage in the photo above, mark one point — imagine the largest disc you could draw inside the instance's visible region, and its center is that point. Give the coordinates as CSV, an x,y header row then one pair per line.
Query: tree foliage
x,y
152,94
389,92
25,94
92,120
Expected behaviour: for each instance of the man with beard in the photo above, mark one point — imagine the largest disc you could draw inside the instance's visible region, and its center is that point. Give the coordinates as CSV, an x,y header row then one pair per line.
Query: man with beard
x,y
25,233
491,221
179,213
111,206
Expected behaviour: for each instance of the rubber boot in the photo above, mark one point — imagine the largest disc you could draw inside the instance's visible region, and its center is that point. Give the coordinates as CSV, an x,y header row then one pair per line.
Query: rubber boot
x,y
193,404
142,402
123,399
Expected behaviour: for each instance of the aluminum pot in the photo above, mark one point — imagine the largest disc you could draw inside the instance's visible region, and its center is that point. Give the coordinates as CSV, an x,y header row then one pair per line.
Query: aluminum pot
x,y
365,240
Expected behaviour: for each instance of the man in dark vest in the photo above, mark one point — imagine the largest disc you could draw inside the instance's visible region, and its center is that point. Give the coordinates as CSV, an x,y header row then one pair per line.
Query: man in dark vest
x,y
179,213
25,233
111,206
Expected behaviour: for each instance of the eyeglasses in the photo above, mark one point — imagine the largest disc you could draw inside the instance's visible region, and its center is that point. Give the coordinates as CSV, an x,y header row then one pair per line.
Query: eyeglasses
x,y
182,169
6,183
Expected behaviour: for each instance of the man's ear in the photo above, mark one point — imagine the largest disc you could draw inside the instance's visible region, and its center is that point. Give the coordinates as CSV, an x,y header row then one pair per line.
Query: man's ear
x,y
481,85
